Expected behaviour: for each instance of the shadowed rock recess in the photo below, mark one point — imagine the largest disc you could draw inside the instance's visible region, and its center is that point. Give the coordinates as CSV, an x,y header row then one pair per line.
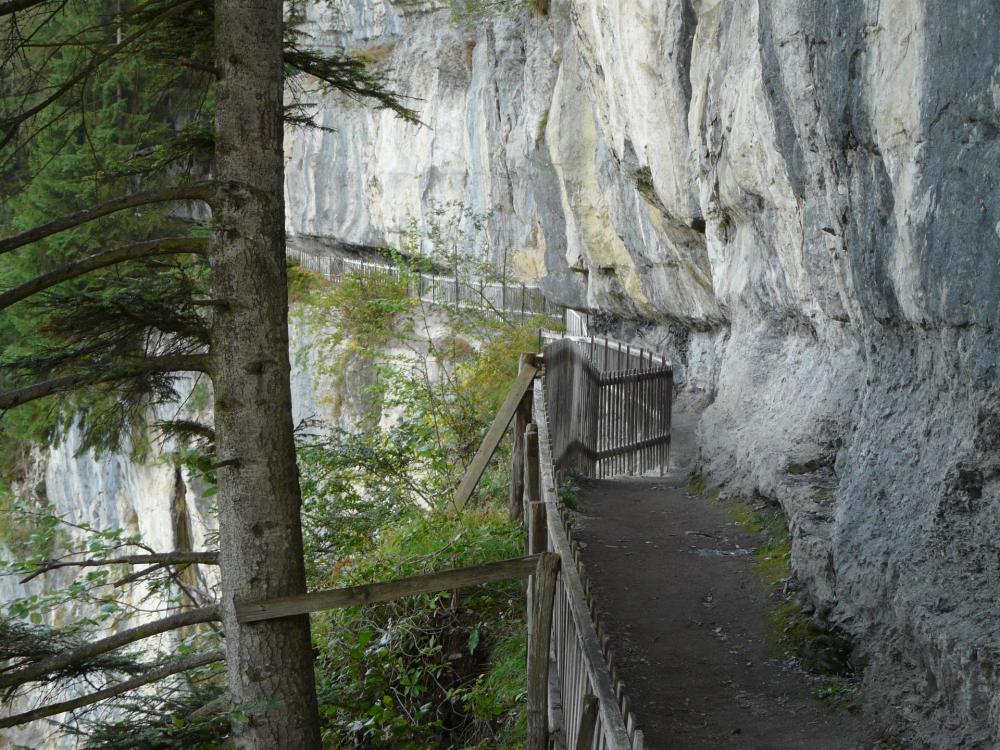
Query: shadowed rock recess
x,y
797,202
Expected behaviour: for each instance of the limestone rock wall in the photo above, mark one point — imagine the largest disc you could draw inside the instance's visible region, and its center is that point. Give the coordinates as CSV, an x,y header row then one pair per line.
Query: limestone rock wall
x,y
796,200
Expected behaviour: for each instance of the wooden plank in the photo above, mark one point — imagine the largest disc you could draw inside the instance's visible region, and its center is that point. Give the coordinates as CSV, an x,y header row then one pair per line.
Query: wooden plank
x,y
537,532
493,437
539,638
429,583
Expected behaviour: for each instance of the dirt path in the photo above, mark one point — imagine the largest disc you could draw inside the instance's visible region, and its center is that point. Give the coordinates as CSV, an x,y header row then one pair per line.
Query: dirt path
x,y
687,611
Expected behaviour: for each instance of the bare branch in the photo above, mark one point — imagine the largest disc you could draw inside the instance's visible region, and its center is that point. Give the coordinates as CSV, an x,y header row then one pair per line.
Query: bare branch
x,y
33,672
153,675
218,705
168,246
166,558
138,574
178,363
202,191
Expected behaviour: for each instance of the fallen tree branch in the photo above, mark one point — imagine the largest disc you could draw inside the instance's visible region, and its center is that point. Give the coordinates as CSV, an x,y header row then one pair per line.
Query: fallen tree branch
x,y
178,363
32,672
203,191
169,246
154,675
167,558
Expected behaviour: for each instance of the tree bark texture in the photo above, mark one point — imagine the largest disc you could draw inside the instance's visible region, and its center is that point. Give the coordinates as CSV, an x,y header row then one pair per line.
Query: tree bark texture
x,y
269,664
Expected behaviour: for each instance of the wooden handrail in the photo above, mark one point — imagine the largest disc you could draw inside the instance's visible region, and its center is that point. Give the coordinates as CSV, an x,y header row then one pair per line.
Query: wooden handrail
x,y
369,593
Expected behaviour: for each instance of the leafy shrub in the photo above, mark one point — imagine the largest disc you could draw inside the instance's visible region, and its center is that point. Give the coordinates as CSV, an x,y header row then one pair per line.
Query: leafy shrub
x,y
438,670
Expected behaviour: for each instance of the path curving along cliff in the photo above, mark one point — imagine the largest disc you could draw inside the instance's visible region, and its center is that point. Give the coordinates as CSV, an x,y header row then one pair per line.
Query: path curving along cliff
x,y
686,609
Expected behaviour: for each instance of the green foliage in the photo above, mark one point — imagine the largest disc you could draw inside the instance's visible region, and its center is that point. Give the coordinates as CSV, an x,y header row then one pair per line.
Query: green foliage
x,y
94,143
430,671
21,641
838,692
569,490
697,484
416,672
28,533
787,628
367,308
166,720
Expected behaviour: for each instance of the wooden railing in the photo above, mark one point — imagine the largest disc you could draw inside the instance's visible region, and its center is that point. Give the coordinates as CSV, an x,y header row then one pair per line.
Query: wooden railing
x,y
609,405
589,709
607,354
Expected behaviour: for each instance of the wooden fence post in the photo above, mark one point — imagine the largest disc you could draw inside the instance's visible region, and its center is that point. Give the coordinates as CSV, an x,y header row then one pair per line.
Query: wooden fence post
x,y
588,723
521,419
537,530
539,638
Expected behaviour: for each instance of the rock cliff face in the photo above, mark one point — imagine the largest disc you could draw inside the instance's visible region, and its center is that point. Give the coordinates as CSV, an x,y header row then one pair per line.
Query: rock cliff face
x,y
797,202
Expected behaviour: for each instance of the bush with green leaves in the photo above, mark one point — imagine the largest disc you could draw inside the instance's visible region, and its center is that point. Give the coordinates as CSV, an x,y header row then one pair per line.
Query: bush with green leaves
x,y
440,670
443,670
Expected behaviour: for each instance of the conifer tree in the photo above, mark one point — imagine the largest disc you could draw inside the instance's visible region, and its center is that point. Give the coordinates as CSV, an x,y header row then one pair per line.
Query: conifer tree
x,y
112,289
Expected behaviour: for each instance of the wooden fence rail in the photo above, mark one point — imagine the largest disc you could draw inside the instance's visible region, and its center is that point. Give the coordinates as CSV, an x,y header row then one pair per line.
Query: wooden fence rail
x,y
383,591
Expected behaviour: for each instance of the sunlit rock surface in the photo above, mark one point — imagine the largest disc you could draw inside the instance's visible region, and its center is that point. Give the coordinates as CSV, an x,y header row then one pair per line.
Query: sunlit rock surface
x,y
797,202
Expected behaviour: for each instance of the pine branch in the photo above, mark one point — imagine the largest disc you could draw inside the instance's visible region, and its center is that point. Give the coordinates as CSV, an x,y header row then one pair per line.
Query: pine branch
x,y
203,191
37,670
186,429
350,76
153,675
12,124
178,363
167,558
169,246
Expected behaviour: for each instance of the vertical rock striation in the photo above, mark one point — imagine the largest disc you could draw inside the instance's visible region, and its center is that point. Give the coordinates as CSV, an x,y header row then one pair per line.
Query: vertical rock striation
x,y
797,201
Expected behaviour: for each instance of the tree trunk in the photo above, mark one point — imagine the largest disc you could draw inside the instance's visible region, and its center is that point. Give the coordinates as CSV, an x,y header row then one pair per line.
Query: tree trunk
x,y
269,664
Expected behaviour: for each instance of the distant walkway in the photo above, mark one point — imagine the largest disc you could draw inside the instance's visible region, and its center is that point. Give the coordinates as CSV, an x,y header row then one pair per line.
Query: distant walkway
x,y
498,299
686,613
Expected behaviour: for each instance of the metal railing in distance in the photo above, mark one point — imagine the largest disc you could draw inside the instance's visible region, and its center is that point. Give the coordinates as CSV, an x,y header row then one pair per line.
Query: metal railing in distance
x,y
587,700
609,405
577,323
495,299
